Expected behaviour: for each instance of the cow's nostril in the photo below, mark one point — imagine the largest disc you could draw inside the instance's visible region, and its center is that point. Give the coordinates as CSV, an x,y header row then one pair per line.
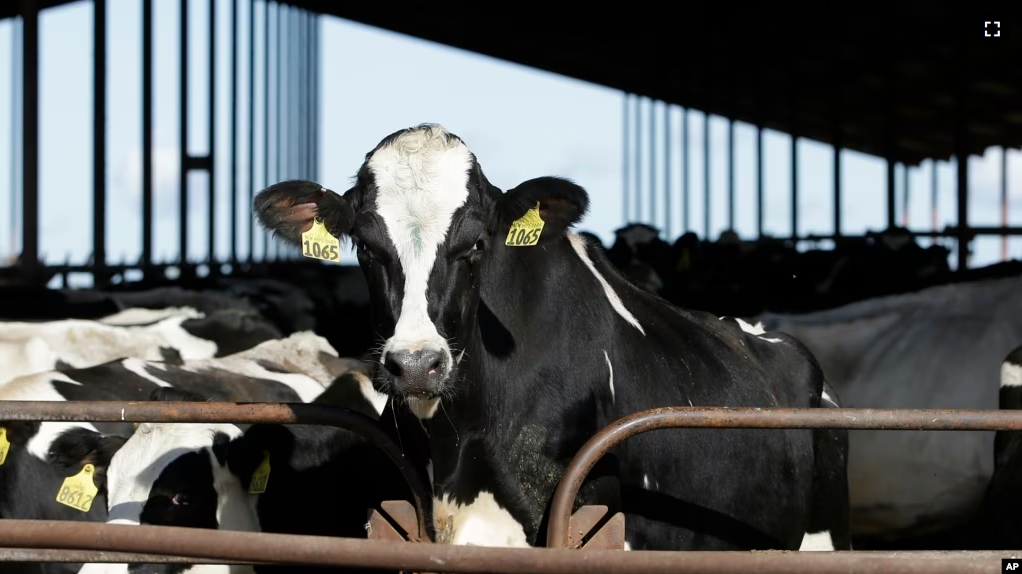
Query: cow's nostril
x,y
393,366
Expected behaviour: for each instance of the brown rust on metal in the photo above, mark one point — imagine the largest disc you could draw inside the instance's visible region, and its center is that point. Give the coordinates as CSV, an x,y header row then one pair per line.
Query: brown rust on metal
x,y
225,412
349,552
583,521
761,418
80,556
610,536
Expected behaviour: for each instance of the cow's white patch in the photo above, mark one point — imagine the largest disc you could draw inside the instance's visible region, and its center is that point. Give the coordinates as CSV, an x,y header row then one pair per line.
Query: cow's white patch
x,y
97,568
86,343
1011,375
429,470
422,179
298,352
829,399
365,386
579,245
423,409
483,522
756,329
138,367
25,357
645,481
628,545
611,369
141,316
39,387
135,467
770,339
817,541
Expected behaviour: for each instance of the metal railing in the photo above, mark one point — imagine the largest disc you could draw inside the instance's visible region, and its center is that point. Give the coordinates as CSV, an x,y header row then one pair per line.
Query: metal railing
x,y
55,541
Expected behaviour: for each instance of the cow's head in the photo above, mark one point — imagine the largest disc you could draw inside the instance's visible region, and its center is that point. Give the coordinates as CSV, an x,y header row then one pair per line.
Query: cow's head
x,y
426,225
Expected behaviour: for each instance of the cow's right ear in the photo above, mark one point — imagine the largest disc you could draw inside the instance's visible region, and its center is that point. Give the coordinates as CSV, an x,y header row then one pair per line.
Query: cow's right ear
x,y
289,208
76,447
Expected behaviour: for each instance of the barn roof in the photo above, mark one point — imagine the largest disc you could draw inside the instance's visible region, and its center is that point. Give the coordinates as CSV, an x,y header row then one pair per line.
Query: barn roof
x,y
898,79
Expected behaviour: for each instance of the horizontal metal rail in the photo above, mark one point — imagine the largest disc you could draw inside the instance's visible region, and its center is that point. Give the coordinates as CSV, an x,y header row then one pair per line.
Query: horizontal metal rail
x,y
78,556
350,552
225,412
762,418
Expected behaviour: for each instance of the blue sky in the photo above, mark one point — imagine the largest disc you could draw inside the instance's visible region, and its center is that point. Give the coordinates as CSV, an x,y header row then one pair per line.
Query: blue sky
x,y
520,122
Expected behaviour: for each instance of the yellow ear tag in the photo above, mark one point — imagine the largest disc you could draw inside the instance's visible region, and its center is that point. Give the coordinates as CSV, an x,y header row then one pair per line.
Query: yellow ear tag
x,y
525,231
78,491
317,243
5,445
261,476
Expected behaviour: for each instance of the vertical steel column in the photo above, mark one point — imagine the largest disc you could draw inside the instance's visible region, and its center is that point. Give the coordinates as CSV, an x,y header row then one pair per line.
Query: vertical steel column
x,y
759,181
731,175
933,196
667,171
686,150
625,157
99,271
706,176
652,162
962,156
278,133
314,96
16,86
637,215
234,132
266,113
889,149
211,196
905,195
838,135
183,131
1004,201
147,135
251,130
30,139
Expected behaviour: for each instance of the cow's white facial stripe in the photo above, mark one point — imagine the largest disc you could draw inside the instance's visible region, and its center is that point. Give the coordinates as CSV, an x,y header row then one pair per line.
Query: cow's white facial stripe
x,y
483,522
421,180
136,465
610,368
579,245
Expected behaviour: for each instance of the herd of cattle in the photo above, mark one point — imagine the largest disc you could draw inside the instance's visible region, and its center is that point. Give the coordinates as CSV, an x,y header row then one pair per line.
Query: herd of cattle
x,y
500,341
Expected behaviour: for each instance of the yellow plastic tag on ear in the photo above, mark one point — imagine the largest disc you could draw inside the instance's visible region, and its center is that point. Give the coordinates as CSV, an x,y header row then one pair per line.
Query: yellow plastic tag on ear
x,y
317,243
525,231
79,490
261,476
5,445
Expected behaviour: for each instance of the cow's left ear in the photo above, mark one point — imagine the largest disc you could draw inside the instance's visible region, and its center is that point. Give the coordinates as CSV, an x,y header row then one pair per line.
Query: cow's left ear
x,y
289,208
562,203
76,447
244,455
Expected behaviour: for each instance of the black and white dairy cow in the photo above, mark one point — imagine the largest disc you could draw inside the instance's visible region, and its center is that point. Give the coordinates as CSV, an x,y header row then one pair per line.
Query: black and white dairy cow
x,y
514,356
296,369
321,480
998,524
170,335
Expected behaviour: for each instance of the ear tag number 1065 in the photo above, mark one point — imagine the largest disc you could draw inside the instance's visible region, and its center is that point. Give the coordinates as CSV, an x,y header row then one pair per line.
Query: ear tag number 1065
x,y
78,491
525,231
5,445
317,243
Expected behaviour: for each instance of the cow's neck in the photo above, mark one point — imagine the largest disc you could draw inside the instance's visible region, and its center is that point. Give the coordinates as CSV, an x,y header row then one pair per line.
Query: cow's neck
x,y
534,392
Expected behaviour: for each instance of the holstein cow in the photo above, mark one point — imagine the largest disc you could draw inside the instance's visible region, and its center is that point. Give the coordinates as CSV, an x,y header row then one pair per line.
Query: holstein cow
x,y
998,524
514,341
934,349
314,480
42,455
169,335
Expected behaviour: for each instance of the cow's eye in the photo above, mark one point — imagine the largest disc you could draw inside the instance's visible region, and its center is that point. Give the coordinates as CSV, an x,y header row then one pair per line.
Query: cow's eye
x,y
180,499
479,246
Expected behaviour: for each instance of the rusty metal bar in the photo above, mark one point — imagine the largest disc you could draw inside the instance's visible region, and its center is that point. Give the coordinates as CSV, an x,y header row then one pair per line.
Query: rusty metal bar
x,y
350,552
73,556
222,412
761,418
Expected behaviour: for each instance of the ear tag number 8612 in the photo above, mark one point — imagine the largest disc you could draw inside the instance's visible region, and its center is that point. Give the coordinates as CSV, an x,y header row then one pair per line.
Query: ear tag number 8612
x,y
317,243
